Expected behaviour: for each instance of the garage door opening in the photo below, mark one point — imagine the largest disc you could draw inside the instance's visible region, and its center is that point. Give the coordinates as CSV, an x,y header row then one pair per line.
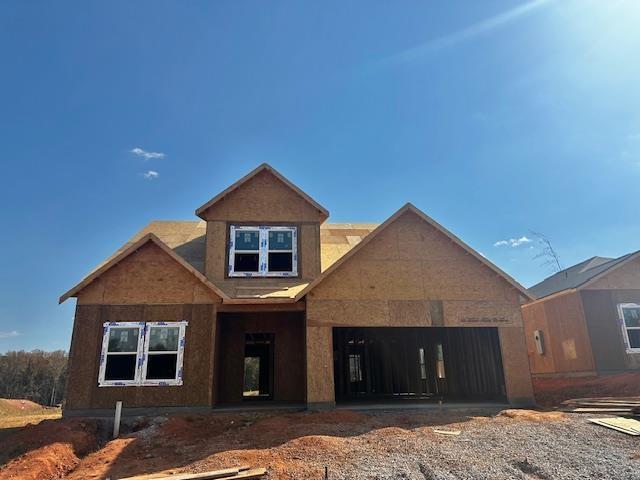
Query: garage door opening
x,y
434,363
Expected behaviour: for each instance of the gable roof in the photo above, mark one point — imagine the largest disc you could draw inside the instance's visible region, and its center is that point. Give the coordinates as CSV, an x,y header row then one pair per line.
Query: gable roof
x,y
580,275
411,208
135,246
264,167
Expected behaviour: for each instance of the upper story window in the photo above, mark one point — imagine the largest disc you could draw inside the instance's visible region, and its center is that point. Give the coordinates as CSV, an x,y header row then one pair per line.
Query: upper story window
x,y
630,318
263,251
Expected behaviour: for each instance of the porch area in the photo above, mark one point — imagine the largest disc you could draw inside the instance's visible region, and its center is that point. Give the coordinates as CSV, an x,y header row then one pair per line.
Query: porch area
x,y
260,359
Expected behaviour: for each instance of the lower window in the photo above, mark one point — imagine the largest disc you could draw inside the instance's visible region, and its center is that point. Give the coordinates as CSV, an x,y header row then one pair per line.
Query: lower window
x,y
139,353
630,319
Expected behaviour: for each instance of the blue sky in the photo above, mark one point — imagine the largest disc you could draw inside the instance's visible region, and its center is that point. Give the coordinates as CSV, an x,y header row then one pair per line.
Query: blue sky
x,y
496,118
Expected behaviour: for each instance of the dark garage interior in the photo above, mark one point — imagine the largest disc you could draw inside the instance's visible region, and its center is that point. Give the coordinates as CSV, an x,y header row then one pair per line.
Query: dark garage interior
x,y
428,363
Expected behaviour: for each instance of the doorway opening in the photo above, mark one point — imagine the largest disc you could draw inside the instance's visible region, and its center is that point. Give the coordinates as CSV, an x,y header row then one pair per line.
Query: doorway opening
x,y
258,366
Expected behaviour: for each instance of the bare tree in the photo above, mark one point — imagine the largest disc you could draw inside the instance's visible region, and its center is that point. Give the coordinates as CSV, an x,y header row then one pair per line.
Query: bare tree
x,y
549,255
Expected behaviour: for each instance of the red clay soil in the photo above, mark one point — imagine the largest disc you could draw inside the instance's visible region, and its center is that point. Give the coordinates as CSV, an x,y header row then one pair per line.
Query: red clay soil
x,y
210,442
47,450
291,446
553,391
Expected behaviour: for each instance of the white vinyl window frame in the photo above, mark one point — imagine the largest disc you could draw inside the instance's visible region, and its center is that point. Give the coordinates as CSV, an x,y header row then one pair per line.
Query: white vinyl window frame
x,y
142,354
107,327
263,251
625,328
177,380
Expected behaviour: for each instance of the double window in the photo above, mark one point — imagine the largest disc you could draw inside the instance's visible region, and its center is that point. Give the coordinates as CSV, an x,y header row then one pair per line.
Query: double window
x,y
263,251
630,322
139,353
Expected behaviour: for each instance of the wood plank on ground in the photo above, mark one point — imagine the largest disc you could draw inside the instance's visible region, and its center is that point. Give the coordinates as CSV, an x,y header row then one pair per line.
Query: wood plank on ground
x,y
624,425
211,475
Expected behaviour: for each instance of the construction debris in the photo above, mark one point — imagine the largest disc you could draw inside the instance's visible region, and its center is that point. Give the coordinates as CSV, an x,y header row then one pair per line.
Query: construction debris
x,y
621,405
236,473
447,432
624,425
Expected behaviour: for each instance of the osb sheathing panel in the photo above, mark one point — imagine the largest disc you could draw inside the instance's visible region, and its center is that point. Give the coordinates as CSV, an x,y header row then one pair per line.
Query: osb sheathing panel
x,y
515,364
147,276
534,318
624,277
412,261
605,332
83,391
263,197
567,336
216,248
336,239
320,386
310,250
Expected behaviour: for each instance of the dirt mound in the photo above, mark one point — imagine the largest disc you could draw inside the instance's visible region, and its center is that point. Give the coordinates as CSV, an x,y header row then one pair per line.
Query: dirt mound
x,y
47,450
553,391
12,407
532,415
334,416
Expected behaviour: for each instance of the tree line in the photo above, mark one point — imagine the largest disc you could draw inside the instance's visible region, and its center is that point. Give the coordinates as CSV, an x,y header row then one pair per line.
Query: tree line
x,y
37,376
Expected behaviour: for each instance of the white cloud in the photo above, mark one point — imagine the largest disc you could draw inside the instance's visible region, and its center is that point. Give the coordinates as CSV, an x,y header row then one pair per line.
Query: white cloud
x,y
151,174
513,242
139,152
464,34
13,333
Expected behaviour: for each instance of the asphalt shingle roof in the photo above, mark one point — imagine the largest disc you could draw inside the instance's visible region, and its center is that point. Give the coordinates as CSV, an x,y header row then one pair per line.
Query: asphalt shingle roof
x,y
575,276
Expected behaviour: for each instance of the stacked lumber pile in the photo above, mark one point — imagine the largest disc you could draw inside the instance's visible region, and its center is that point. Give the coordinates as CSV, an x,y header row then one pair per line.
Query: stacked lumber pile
x,y
624,425
236,473
628,406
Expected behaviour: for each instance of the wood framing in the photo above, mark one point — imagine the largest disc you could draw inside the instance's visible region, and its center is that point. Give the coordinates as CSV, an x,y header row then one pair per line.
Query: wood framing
x,y
150,237
404,308
262,168
581,329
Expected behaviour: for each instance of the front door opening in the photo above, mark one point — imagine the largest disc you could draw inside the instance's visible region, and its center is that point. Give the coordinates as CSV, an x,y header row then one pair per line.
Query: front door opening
x,y
258,366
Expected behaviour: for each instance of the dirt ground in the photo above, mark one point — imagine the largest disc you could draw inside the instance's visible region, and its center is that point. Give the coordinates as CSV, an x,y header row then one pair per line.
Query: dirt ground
x,y
552,391
396,444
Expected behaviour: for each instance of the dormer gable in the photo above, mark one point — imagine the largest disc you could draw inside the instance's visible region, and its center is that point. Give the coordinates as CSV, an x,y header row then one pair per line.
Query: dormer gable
x,y
263,195
262,226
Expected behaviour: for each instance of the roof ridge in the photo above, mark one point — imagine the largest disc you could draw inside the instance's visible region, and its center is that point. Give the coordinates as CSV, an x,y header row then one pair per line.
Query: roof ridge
x,y
260,168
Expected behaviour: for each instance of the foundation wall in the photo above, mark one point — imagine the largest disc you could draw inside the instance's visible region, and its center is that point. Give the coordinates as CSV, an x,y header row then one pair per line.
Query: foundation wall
x,y
567,346
413,275
83,391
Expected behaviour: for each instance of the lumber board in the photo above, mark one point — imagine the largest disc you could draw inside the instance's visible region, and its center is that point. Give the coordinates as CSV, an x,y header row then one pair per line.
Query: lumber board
x,y
624,425
599,410
211,475
249,474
